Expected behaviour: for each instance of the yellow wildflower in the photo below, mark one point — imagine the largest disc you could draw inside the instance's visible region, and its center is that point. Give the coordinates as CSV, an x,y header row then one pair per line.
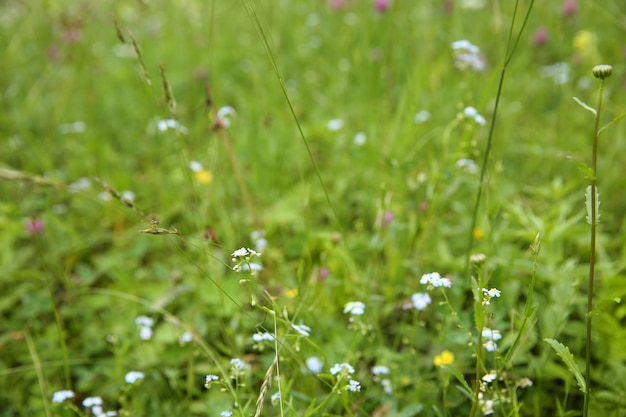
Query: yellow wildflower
x,y
203,176
444,358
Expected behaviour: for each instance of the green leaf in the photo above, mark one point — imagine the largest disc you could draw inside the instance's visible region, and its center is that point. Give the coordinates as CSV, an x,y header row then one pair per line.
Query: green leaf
x,y
604,305
612,122
568,358
585,105
588,204
583,167
459,376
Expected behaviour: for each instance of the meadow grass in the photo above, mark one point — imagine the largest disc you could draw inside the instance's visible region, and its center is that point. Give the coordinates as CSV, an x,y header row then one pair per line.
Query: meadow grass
x,y
239,207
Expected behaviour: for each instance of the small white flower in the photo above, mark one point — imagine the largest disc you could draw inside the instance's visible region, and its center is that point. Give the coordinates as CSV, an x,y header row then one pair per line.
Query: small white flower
x,y
303,329
252,266
493,292
386,383
435,280
468,164
133,376
185,338
464,45
355,386
144,321
480,120
490,377
210,378
356,308
238,365
314,364
420,300
166,124
81,184
226,413
145,333
128,195
491,334
224,116
195,166
490,346
334,124
260,337
275,397
421,116
92,401
360,139
342,368
380,370
60,396
470,112
104,196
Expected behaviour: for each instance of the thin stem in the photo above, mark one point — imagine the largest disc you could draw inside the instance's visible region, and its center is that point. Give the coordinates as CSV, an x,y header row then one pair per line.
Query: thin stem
x,y
40,377
592,255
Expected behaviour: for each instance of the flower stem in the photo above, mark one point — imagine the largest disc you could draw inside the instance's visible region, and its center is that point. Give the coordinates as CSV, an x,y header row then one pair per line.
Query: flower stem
x,y
592,255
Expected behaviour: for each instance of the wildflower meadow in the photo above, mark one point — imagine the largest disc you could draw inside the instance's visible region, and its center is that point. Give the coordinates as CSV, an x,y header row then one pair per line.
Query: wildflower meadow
x,y
385,208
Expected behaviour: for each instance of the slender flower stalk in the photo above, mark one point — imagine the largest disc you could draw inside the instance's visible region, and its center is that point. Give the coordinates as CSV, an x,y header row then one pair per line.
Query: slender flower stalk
x,y
601,72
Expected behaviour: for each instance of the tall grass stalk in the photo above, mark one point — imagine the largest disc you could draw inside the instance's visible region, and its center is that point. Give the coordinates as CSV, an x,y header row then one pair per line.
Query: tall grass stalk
x,y
512,42
601,72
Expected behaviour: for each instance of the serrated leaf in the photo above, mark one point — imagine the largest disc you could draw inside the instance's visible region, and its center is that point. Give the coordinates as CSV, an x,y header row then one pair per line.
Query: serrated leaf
x,y
459,377
585,105
588,205
567,357
583,167
612,122
604,305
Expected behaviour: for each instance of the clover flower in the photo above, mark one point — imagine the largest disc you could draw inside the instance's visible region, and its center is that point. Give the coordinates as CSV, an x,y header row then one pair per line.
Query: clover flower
x,y
133,376
34,226
60,396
